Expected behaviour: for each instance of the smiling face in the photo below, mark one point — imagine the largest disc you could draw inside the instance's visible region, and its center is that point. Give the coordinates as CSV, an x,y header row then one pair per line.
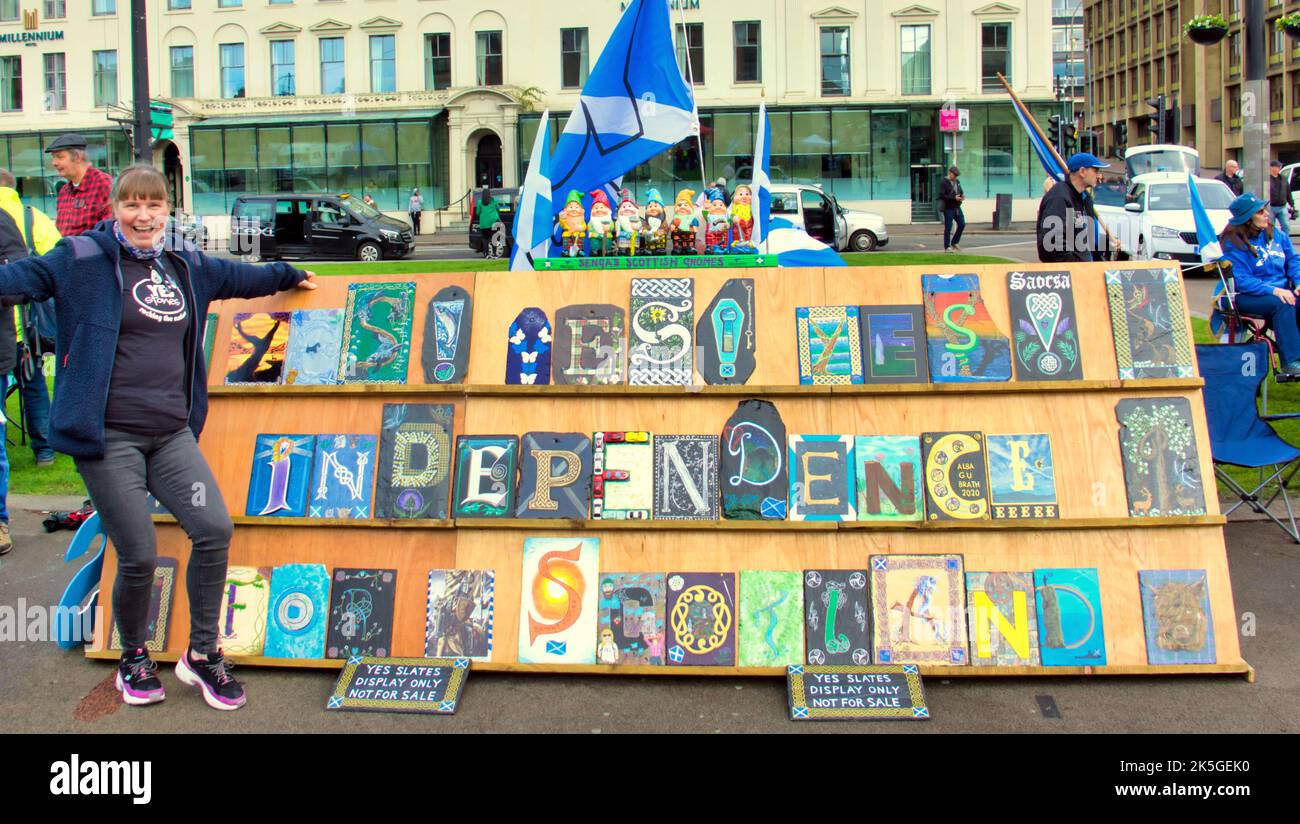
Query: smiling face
x,y
599,211
572,209
142,220
684,208
627,209
743,196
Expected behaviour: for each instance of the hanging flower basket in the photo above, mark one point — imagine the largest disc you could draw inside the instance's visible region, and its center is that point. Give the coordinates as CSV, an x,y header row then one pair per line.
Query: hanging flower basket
x,y
1207,29
1289,23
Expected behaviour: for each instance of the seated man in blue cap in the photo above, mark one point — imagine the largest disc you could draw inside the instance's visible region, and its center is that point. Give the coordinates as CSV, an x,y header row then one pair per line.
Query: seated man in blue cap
x,y
1068,230
1266,269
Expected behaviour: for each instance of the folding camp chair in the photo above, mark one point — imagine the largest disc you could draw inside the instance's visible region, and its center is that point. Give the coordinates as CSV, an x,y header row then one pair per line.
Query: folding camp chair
x,y
1238,435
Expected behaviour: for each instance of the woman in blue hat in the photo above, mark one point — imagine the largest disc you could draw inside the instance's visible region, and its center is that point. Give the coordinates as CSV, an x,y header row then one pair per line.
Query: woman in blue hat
x,y
1266,269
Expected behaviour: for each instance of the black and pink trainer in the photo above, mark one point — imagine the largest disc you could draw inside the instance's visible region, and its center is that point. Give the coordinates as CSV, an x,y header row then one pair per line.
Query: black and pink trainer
x,y
211,674
137,679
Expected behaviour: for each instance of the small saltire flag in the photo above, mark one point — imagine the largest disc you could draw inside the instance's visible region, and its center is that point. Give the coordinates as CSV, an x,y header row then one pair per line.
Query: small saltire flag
x,y
762,177
533,222
795,247
1206,238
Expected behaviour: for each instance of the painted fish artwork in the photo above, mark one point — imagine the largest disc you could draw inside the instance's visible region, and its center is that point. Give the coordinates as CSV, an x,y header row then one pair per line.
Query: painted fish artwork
x,y
377,333
1176,616
1149,322
459,612
259,342
281,476
822,481
894,344
589,345
1022,481
1070,628
559,599
701,619
361,613
343,476
448,327
889,478
752,472
837,617
686,477
241,622
485,476
956,476
964,343
918,608
528,349
298,611
661,346
622,475
1043,326
1162,468
630,629
725,334
415,459
771,618
1003,626
314,341
160,607
830,345
554,475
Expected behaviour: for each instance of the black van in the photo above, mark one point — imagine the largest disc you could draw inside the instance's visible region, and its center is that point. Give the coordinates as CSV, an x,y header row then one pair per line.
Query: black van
x,y
314,227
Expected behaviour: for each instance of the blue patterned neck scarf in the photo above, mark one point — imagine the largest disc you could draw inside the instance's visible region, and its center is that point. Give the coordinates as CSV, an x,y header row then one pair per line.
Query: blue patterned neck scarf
x,y
134,251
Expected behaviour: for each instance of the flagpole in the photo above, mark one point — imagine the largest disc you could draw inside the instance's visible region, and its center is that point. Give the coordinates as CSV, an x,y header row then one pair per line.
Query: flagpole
x,y
1029,118
690,79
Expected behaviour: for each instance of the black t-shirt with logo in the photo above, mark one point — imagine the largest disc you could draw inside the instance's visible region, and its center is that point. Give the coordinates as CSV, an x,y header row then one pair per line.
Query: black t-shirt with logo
x,y
147,394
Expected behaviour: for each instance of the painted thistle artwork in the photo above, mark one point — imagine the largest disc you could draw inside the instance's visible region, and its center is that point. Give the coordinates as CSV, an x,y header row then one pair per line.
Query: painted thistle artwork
x,y
1044,336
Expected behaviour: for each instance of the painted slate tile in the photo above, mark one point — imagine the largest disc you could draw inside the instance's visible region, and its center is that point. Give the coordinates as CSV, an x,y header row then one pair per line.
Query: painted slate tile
x,y
726,336
889,479
459,613
1162,469
241,623
314,341
1003,626
415,460
528,350
343,476
752,472
281,475
589,347
485,476
1149,323
701,619
1071,632
258,343
1022,481
661,348
686,477
1176,616
161,596
918,607
956,476
554,476
894,348
631,623
377,333
557,616
1044,329
965,344
821,478
771,618
298,611
622,475
448,328
830,345
361,613
837,617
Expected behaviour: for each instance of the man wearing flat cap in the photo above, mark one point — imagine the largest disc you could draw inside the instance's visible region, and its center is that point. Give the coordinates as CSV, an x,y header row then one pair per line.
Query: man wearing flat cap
x,y
83,201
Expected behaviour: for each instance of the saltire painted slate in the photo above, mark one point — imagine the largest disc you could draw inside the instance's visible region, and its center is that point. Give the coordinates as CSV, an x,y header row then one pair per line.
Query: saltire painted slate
x,y
1003,625
821,478
661,351
444,356
1070,628
837,617
830,345
1176,616
1044,329
631,624
686,477
298,611
528,350
894,348
241,623
701,619
557,614
485,476
281,476
589,347
1022,482
752,473
459,613
918,608
377,333
965,344
258,342
725,334
343,476
770,618
361,613
1162,469
1149,322
554,475
314,341
889,479
415,460
956,476
160,607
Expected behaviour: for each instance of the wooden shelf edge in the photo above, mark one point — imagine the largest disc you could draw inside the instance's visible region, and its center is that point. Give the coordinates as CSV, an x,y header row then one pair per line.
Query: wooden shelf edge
x,y
1235,668
338,390
647,525
367,523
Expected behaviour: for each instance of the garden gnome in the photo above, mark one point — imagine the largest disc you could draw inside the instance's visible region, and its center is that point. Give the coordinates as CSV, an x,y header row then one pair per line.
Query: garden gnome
x,y
655,226
685,224
629,224
717,223
600,228
742,219
572,228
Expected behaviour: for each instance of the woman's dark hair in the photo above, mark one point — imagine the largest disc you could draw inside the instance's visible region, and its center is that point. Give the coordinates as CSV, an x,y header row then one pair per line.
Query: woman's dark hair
x,y
1241,234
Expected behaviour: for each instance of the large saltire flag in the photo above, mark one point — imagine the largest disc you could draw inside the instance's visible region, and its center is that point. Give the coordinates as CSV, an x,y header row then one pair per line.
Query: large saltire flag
x,y
534,219
795,247
762,177
635,105
1206,238
1044,152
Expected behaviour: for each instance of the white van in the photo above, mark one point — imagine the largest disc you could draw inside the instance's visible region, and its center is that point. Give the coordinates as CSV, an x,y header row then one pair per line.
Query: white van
x,y
821,216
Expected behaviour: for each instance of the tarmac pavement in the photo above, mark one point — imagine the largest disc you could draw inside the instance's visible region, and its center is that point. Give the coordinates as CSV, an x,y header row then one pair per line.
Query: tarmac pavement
x,y
45,689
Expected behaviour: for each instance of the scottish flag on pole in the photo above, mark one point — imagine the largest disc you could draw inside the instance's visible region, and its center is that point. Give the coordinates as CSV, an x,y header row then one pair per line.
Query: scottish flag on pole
x,y
635,105
762,178
795,247
1044,153
533,221
1207,240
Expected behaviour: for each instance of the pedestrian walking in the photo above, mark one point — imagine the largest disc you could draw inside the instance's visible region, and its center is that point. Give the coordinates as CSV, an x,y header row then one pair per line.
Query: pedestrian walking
x,y
489,215
130,402
950,200
415,208
1279,197
1231,177
1067,226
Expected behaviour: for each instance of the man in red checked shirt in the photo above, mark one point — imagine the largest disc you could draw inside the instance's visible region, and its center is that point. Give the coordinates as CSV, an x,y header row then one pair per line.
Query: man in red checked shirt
x,y
83,200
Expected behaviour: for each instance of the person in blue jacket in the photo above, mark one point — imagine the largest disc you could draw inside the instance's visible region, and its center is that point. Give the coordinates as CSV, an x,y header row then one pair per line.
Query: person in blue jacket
x,y
1266,270
130,400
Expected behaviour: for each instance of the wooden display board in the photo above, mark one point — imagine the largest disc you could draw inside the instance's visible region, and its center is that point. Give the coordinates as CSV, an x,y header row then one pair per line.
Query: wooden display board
x,y
1094,529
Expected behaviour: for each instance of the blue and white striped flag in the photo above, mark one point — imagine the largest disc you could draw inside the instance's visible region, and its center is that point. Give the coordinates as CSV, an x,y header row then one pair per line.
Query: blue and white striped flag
x,y
1206,238
795,247
635,105
762,177
1044,152
533,221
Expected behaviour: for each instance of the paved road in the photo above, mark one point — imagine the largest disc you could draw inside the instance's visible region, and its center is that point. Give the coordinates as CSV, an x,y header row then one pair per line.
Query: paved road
x,y
45,689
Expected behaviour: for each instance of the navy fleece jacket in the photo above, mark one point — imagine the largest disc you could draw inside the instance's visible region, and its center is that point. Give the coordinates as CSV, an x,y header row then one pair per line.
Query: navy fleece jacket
x,y
82,275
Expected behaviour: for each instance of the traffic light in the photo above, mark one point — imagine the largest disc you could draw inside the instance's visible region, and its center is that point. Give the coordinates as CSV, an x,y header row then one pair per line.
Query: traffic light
x,y
1156,119
1056,133
1172,125
1121,134
1071,139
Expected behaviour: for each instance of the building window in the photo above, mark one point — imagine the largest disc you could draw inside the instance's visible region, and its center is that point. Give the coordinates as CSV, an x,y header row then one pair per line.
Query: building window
x,y
56,82
333,79
11,84
8,9
1234,53
749,52
179,5
690,40
487,51
105,63
229,4
383,63
916,59
182,59
232,70
573,58
437,61
56,9
284,68
995,55
836,75
103,7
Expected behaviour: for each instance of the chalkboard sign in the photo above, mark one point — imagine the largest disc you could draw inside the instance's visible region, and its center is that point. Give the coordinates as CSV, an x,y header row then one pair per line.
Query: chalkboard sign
x,y
856,693
423,685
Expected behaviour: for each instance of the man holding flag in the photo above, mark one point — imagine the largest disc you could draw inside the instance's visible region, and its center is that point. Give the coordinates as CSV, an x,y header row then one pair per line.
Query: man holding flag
x,y
1067,228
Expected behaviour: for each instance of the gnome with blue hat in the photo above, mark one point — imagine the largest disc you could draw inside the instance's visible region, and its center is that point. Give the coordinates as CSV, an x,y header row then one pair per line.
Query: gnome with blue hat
x,y
571,227
655,226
